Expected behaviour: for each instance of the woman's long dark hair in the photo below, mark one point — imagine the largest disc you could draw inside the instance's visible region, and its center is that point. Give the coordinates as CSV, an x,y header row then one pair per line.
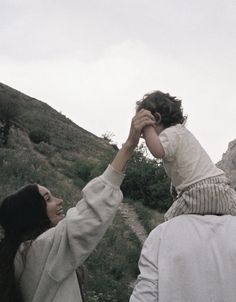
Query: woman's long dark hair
x,y
23,216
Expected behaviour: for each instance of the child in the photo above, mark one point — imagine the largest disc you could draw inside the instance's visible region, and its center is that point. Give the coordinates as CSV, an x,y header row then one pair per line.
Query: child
x,y
201,187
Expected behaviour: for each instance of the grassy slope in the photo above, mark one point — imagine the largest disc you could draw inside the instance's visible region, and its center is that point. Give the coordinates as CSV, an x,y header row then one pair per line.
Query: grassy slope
x,y
49,164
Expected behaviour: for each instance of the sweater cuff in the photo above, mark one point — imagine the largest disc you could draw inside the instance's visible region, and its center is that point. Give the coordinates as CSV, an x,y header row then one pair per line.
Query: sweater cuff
x,y
112,176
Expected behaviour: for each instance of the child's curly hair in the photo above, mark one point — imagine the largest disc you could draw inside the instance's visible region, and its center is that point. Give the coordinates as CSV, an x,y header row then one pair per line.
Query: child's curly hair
x,y
169,107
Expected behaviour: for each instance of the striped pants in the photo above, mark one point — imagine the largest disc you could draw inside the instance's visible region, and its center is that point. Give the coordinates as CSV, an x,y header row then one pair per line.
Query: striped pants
x,y
211,196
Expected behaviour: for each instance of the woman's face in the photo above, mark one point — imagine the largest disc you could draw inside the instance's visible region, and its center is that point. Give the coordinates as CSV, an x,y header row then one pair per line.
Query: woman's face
x,y
54,205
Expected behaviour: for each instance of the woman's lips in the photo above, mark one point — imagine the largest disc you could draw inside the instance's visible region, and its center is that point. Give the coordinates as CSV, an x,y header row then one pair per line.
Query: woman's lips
x,y
60,212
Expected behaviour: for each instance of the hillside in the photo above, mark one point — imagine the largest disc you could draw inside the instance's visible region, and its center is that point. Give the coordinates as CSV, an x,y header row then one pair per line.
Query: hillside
x,y
52,160
35,113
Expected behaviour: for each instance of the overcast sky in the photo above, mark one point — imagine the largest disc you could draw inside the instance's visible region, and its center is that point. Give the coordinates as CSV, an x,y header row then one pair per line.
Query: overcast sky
x,y
93,59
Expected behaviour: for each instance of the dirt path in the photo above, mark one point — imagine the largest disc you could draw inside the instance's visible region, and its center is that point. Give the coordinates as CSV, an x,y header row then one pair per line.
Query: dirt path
x,y
131,218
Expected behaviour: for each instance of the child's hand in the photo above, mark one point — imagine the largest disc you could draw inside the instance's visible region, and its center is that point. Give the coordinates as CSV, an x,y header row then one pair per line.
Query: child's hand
x,y
142,119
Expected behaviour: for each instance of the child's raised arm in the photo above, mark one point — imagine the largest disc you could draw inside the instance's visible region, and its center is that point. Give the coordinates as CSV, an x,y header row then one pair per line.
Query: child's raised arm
x,y
153,142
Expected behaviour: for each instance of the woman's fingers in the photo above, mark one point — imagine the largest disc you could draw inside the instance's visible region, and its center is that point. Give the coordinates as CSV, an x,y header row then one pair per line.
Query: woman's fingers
x,y
142,119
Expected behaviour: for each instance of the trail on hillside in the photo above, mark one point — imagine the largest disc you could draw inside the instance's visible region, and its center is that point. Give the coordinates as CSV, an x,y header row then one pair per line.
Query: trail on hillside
x,y
131,218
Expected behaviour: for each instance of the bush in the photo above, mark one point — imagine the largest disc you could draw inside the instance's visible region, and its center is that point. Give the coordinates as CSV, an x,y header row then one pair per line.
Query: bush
x,y
81,169
86,169
9,112
45,149
146,180
39,135
9,107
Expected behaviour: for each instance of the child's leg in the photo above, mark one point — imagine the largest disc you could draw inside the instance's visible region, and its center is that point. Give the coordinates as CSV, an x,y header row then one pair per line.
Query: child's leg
x,y
212,196
178,207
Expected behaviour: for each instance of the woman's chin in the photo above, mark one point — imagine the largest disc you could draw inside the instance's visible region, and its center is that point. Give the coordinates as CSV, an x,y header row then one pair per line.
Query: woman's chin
x,y
58,219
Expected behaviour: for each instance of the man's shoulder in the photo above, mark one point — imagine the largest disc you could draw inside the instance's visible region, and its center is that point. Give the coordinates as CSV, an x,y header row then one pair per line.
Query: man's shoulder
x,y
188,222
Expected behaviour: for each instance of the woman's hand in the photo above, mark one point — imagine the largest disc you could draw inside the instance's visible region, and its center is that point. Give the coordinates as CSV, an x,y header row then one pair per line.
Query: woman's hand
x,y
142,119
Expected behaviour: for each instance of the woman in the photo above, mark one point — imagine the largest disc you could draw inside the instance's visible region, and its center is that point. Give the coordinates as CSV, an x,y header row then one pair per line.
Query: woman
x,y
40,249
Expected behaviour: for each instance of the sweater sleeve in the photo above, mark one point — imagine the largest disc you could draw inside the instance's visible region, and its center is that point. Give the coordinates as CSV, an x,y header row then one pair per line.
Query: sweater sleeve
x,y
146,288
76,236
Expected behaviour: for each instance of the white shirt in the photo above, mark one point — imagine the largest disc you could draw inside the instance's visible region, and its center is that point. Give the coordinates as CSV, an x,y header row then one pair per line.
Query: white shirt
x,y
190,258
185,160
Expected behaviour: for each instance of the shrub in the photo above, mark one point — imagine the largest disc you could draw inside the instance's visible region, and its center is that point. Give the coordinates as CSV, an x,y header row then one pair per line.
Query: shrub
x,y
82,169
9,112
146,180
45,149
39,135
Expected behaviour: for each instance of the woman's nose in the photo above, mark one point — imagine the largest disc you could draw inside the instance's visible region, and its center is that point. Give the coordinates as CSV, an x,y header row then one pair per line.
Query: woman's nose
x,y
60,201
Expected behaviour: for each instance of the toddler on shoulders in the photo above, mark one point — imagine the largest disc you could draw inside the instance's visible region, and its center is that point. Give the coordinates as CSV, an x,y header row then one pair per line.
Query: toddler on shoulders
x,y
201,187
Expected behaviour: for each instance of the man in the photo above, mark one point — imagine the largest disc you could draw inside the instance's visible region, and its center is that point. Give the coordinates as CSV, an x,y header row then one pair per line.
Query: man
x,y
190,258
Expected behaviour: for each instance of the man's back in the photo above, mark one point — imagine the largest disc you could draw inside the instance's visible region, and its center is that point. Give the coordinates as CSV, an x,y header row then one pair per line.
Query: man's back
x,y
190,258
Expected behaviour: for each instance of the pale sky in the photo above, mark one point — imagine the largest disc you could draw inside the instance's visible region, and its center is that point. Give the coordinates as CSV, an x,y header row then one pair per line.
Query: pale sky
x,y
93,59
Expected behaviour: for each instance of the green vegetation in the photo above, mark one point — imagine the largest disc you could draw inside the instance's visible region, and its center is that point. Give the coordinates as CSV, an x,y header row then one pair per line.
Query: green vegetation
x,y
39,135
146,181
20,167
9,112
114,265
